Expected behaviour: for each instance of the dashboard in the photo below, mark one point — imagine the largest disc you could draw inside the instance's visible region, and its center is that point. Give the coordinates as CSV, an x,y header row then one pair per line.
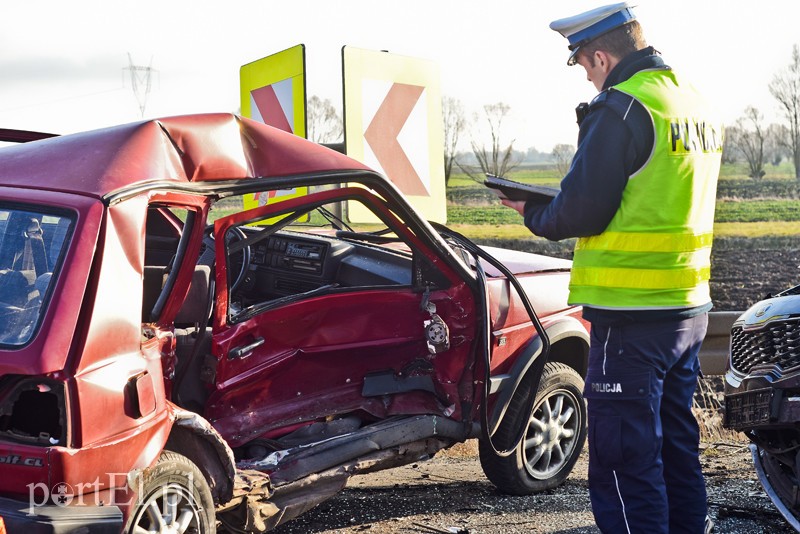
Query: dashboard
x,y
289,263
291,255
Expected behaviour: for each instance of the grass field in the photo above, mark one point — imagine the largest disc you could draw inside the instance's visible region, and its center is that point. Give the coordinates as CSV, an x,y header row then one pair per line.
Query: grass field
x,y
745,208
768,209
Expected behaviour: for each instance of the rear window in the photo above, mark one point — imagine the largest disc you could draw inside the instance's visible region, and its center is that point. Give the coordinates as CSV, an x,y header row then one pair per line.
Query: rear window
x,y
32,243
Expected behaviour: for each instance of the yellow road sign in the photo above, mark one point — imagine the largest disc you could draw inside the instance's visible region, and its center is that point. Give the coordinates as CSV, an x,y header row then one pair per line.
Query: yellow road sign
x,y
393,123
273,91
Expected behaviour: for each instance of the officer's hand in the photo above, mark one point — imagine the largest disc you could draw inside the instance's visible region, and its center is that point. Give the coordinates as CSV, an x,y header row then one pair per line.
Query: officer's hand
x,y
518,205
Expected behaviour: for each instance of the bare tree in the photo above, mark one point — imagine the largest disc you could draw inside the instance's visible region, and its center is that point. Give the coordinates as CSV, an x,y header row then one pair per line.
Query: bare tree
x,y
785,87
748,137
562,154
454,123
497,159
730,151
777,144
324,122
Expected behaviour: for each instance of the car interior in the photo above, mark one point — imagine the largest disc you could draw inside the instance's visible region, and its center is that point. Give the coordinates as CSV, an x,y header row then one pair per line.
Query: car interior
x,y
271,262
31,244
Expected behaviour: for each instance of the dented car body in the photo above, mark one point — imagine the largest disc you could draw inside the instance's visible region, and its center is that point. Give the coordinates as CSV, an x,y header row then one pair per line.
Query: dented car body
x,y
178,354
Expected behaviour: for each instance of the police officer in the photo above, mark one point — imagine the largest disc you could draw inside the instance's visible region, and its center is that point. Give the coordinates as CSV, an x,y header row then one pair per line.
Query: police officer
x,y
639,197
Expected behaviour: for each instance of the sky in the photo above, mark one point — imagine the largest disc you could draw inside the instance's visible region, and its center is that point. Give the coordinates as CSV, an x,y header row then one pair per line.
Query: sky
x,y
62,62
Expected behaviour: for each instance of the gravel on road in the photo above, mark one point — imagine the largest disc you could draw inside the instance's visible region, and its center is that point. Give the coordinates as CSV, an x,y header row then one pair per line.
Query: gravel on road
x,y
449,494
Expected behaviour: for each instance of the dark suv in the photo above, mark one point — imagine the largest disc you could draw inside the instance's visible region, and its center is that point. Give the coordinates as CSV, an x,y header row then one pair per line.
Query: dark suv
x,y
762,394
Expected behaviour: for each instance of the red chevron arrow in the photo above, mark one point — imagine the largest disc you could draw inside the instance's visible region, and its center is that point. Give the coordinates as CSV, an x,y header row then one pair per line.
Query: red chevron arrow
x,y
270,108
382,137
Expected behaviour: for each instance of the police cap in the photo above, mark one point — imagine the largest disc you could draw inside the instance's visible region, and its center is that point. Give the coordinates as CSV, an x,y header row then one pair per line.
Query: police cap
x,y
582,28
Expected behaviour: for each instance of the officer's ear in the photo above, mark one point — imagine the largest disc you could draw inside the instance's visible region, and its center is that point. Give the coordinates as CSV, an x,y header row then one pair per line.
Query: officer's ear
x,y
604,60
601,60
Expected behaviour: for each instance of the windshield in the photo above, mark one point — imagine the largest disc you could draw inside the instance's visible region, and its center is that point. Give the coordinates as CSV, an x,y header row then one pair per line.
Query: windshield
x,y
32,242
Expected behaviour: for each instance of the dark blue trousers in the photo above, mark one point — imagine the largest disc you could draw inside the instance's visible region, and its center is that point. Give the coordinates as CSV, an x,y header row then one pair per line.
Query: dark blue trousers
x,y
644,470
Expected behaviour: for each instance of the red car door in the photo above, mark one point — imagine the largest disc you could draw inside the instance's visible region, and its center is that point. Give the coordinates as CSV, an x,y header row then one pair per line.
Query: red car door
x,y
323,327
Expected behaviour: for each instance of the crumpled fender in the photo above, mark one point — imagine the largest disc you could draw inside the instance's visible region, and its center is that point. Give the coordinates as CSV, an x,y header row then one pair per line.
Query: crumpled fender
x,y
193,436
565,327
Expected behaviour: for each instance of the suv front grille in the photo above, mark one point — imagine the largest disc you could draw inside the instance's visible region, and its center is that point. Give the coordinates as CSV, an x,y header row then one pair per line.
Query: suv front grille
x,y
778,343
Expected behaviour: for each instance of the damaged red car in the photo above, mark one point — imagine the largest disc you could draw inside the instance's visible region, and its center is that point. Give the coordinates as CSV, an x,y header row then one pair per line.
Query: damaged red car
x,y
185,347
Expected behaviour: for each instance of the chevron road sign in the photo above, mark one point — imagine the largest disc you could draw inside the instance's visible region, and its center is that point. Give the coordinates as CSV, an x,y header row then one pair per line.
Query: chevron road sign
x,y
393,123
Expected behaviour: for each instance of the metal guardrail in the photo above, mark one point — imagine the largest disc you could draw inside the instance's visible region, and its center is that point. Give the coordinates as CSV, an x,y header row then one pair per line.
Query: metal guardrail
x,y
714,352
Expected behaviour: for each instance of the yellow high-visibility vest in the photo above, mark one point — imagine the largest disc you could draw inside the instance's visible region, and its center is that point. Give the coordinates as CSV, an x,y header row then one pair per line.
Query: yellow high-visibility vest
x,y
656,251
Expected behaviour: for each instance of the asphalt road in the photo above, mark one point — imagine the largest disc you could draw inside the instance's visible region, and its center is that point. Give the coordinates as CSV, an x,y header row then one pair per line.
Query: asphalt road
x,y
449,494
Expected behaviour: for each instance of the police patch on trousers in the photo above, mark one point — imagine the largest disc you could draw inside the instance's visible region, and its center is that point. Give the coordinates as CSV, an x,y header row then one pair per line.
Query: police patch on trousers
x,y
622,421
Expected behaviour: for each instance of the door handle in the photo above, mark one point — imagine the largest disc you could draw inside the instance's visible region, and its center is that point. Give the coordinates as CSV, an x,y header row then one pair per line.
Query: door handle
x,y
238,352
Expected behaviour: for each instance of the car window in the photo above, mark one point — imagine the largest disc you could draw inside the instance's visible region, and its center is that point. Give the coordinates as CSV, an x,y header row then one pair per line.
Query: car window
x,y
167,231
32,243
278,260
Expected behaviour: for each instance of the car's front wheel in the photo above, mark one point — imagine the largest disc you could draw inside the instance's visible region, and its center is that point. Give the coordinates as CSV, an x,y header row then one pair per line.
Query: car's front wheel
x,y
781,470
174,498
554,436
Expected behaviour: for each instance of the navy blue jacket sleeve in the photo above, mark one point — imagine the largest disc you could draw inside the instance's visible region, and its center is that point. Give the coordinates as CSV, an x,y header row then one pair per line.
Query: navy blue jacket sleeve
x,y
614,141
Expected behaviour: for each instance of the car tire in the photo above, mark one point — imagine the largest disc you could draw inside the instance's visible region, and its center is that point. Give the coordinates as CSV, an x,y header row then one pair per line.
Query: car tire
x,y
556,432
173,497
781,470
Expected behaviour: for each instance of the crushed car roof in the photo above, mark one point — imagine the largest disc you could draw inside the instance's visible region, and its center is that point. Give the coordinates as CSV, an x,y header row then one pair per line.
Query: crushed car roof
x,y
190,148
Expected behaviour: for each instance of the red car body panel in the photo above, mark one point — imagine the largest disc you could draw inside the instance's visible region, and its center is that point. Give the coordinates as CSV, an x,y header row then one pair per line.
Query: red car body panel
x,y
180,149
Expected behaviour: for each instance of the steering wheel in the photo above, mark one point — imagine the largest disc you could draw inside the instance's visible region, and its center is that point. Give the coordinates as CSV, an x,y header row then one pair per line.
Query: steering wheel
x,y
233,235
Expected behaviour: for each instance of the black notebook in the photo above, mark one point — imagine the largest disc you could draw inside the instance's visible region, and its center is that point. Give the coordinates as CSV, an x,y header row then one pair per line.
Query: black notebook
x,y
518,191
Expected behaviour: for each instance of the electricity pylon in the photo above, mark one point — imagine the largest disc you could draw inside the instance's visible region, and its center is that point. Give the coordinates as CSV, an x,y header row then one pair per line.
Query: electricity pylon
x,y
141,81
